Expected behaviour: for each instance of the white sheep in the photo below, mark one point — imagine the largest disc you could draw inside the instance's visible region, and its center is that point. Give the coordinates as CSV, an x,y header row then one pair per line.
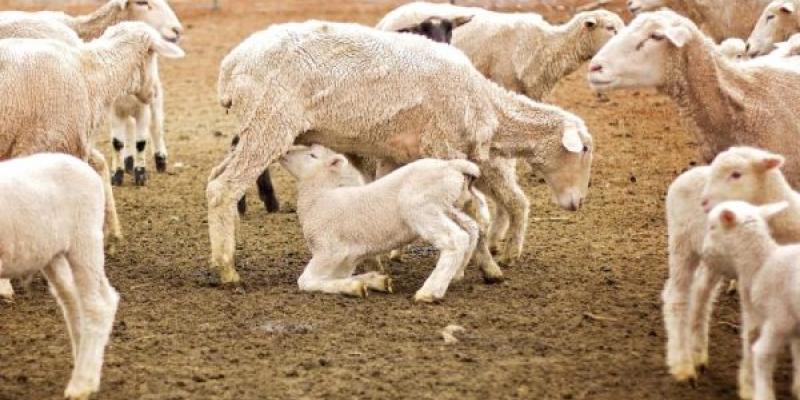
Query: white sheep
x,y
723,103
62,93
768,276
290,81
740,173
423,199
733,48
133,122
779,20
718,18
65,243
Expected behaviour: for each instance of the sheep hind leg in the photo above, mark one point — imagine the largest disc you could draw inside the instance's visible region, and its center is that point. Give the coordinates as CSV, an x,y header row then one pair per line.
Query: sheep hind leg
x,y
376,281
257,149
111,228
796,368
473,230
143,119
765,352
98,306
703,295
499,228
434,225
159,146
332,274
62,286
676,297
118,139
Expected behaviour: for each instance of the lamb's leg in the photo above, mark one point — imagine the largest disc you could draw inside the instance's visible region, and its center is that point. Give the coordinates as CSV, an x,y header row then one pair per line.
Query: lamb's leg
x,y
703,295
267,136
157,129
796,366
111,227
98,305
383,168
118,139
432,223
748,333
376,281
682,265
143,118
499,228
472,228
6,290
62,286
267,193
765,351
328,273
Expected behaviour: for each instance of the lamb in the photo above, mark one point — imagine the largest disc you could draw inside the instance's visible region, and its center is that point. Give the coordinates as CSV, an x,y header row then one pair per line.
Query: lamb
x,y
133,122
720,19
65,243
740,173
291,99
739,233
733,48
724,103
423,199
789,48
62,92
779,21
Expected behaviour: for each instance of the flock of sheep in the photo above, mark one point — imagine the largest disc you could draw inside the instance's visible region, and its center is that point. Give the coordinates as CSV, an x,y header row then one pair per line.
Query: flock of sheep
x,y
412,130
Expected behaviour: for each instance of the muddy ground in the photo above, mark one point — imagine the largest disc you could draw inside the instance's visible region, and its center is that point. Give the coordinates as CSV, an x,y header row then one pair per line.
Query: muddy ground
x,y
177,336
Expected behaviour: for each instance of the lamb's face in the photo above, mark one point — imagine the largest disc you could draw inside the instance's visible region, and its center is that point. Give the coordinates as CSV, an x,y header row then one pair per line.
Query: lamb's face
x,y
567,166
637,57
776,24
739,174
732,226
305,162
639,6
601,26
733,48
158,14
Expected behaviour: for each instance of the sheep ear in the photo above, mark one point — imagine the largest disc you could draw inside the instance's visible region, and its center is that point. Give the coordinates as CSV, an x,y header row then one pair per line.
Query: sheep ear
x,y
772,162
590,22
768,211
167,49
727,218
458,21
337,161
122,4
787,8
678,35
571,139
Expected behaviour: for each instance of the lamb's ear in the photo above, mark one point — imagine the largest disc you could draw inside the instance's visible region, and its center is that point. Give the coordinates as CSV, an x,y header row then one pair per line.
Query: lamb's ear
x,y
727,218
768,211
337,161
571,139
458,21
787,8
678,35
772,161
167,49
590,22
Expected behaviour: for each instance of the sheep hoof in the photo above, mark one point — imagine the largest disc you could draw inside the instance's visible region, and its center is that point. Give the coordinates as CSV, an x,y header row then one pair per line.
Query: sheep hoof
x,y
271,205
684,373
117,178
359,289
745,392
387,285
228,275
241,206
493,279
6,290
421,297
161,162
129,164
139,176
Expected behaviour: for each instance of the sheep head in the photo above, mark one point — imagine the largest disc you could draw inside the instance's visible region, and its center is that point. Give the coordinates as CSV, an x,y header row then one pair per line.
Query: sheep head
x,y
156,13
777,23
741,173
438,29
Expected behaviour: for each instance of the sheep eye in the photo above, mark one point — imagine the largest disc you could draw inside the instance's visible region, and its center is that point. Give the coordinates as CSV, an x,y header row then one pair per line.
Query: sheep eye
x,y
312,155
770,17
736,175
585,149
611,29
142,3
656,36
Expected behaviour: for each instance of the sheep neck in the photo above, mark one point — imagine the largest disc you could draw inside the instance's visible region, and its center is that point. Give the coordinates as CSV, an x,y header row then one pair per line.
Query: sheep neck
x,y
704,87
751,256
523,125
92,26
563,53
785,227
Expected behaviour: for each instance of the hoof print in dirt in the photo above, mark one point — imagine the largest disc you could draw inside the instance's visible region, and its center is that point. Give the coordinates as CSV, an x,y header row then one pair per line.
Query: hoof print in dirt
x,y
161,162
139,176
118,177
129,164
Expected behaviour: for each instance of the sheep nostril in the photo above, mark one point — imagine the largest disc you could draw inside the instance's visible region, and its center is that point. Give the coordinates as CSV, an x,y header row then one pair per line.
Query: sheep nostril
x,y
595,68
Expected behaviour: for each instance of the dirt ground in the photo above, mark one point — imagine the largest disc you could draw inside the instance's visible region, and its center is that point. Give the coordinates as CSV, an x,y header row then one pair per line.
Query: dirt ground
x,y
177,336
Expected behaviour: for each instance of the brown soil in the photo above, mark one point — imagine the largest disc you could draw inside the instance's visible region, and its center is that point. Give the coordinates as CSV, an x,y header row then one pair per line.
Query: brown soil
x,y
177,336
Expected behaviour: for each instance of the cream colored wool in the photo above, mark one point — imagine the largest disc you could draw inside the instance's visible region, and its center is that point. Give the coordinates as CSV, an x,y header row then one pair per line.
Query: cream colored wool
x,y
719,19
65,243
350,88
733,48
779,20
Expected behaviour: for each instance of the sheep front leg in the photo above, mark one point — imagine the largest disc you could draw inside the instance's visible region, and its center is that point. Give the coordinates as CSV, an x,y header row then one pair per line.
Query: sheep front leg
x,y
266,192
376,281
157,129
62,286
676,296
796,366
499,228
111,227
765,352
143,118
473,230
749,334
6,290
118,141
501,178
704,293
328,273
432,224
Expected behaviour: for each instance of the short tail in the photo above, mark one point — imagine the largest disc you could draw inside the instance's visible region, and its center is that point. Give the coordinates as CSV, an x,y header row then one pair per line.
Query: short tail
x,y
467,168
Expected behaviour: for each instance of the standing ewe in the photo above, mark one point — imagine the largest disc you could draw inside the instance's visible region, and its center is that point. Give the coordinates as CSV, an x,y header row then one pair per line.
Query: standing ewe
x,y
768,284
720,19
61,93
65,243
420,200
725,103
327,83
741,173
779,21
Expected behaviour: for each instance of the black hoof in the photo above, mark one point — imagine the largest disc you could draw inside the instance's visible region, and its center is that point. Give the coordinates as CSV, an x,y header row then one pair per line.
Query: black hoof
x,y
242,205
129,164
117,178
139,176
161,162
272,205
